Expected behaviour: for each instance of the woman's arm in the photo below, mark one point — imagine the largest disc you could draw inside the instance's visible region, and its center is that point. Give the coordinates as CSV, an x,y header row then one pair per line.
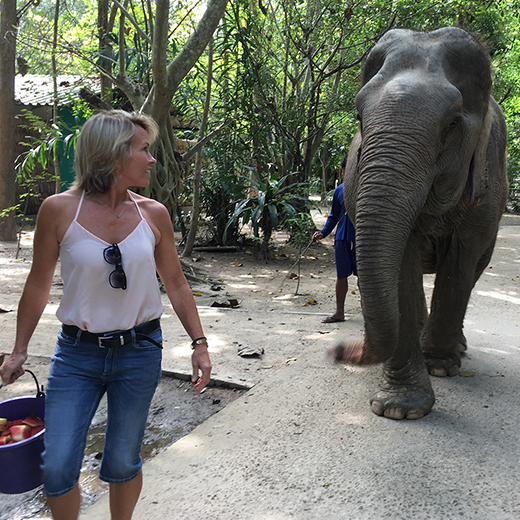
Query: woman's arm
x,y
179,293
36,290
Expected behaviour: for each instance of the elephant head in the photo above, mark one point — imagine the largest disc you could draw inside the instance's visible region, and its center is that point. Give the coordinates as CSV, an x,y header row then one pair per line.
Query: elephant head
x,y
424,113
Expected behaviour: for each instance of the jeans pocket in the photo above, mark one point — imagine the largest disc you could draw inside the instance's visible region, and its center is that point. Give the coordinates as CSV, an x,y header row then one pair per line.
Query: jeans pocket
x,y
64,340
152,341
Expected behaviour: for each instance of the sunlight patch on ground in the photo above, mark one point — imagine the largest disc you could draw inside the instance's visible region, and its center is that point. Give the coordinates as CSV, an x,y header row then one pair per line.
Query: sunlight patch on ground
x,y
181,351
351,419
500,296
50,308
495,351
487,273
241,286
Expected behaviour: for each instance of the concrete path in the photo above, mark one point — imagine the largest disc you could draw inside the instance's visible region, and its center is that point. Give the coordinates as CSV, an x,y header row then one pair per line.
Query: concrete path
x,y
303,444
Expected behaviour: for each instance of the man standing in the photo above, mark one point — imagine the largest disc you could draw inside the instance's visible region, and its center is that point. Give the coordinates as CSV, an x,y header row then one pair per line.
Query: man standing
x,y
344,249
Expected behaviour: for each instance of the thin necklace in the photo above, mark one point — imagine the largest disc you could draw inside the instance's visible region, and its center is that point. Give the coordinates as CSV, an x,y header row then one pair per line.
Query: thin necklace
x,y
118,215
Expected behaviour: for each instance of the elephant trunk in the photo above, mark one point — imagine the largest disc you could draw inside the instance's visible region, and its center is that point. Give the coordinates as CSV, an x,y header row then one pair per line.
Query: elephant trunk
x,y
389,197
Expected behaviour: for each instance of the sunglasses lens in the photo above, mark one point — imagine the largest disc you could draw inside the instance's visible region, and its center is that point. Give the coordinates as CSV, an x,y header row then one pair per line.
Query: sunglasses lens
x,y
112,255
117,278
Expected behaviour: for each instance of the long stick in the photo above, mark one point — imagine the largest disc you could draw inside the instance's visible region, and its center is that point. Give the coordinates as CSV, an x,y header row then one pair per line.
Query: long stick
x,y
295,263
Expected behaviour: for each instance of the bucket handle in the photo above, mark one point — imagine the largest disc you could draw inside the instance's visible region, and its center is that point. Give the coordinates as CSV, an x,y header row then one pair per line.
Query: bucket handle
x,y
39,392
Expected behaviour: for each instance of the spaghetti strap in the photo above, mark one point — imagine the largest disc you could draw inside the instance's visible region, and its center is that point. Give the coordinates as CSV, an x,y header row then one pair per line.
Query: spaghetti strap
x,y
136,205
79,205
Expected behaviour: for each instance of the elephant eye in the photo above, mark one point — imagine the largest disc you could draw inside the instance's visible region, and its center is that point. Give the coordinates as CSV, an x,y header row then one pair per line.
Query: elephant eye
x,y
448,129
454,123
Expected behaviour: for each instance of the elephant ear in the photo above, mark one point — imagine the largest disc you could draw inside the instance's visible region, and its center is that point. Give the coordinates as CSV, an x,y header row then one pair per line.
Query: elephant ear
x,y
479,167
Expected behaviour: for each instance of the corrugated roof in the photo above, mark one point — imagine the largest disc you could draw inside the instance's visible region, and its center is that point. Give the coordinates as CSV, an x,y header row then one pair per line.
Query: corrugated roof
x,y
38,89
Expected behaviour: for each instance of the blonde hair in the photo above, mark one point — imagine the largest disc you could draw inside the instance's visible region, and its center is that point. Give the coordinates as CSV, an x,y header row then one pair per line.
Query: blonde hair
x,y
103,142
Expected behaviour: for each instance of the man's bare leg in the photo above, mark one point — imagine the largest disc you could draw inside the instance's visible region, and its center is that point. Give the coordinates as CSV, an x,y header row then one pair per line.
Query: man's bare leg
x,y
341,294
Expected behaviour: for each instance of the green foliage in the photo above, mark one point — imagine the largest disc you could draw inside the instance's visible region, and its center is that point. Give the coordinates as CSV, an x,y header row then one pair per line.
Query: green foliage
x,y
266,201
301,227
46,142
286,71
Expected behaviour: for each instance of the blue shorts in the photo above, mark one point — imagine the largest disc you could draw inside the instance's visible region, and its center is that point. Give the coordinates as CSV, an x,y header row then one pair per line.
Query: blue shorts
x,y
345,255
81,373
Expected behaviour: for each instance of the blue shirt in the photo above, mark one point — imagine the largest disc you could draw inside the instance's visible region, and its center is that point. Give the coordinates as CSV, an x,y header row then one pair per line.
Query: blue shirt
x,y
338,215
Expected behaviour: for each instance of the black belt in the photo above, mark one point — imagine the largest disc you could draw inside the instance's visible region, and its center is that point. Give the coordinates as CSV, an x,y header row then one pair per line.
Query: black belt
x,y
115,338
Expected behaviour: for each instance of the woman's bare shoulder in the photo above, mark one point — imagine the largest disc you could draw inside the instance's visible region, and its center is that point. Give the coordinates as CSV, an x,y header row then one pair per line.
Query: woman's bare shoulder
x,y
61,203
57,211
151,207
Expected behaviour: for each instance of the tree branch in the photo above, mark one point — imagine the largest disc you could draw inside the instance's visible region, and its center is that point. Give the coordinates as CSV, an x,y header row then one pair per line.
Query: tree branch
x,y
133,22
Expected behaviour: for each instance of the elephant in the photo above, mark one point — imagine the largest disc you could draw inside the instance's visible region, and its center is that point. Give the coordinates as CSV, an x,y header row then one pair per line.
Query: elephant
x,y
426,185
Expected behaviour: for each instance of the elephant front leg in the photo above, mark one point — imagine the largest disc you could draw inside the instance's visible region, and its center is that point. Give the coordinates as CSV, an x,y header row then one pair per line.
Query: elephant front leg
x,y
405,390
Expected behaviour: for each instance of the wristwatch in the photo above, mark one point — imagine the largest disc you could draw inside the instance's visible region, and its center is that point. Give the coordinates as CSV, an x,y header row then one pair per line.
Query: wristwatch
x,y
199,341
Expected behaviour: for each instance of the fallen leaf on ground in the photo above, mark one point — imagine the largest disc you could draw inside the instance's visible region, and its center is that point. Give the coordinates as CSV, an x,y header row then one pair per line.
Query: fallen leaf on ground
x,y
312,301
198,293
324,332
226,303
246,351
198,259
5,310
468,373
292,276
287,361
238,264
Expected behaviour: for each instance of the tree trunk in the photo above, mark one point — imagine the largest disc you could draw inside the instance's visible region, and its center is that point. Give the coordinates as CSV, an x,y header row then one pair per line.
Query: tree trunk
x,y
105,49
55,158
324,168
8,30
190,241
167,78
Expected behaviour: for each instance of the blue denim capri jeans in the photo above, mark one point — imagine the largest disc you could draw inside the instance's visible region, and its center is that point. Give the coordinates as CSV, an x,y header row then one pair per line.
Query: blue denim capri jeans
x,y
81,373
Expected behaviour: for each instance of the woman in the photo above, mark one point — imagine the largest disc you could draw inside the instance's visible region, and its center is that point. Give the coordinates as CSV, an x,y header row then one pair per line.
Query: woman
x,y
111,242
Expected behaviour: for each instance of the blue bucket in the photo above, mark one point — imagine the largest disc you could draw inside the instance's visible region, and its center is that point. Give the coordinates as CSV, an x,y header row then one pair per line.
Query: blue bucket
x,y
20,462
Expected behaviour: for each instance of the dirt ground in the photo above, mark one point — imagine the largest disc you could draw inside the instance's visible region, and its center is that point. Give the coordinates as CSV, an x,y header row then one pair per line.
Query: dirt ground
x,y
273,309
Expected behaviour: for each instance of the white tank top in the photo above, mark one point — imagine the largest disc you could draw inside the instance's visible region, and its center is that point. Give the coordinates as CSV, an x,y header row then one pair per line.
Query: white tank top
x,y
88,300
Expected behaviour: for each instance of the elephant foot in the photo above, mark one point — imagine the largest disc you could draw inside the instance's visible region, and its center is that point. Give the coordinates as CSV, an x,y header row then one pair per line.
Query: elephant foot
x,y
447,365
353,353
444,362
408,397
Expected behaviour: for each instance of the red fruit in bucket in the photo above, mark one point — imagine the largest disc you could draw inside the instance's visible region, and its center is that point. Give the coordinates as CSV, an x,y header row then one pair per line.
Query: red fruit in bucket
x,y
36,429
20,432
5,439
33,421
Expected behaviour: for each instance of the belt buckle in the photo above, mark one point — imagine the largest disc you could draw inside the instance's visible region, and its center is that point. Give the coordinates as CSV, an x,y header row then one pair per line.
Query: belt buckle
x,y
110,338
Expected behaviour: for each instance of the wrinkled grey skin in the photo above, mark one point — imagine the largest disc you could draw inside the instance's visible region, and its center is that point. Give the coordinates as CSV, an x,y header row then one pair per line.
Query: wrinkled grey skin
x,y
426,186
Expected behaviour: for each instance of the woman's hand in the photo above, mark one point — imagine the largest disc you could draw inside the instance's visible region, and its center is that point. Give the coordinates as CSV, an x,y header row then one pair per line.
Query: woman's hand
x,y
12,368
201,363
